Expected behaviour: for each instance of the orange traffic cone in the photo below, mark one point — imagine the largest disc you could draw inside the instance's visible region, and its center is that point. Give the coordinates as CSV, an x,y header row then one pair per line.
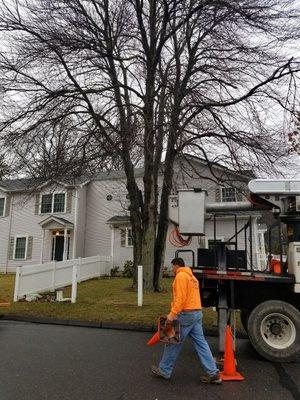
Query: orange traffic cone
x,y
155,339
229,372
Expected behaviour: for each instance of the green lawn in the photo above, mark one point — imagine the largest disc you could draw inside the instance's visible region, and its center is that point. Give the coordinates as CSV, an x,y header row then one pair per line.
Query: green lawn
x,y
107,299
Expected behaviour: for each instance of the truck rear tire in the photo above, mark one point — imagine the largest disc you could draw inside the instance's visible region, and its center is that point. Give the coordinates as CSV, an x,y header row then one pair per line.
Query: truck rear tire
x,y
274,331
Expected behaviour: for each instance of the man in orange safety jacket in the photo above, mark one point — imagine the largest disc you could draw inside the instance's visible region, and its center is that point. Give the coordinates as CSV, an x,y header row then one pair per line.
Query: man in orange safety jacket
x,y
186,308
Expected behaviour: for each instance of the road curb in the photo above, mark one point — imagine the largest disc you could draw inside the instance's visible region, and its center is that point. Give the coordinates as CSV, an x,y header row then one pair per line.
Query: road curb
x,y
83,324
100,325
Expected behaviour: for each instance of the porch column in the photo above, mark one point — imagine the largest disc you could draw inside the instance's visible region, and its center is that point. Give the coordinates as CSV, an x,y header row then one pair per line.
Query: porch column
x,y
65,255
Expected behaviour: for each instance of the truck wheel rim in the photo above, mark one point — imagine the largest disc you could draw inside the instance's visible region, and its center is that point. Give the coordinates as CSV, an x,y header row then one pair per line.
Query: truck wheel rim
x,y
278,331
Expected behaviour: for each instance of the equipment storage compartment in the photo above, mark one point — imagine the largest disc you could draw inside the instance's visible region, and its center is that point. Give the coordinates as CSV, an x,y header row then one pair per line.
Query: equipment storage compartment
x,y
191,204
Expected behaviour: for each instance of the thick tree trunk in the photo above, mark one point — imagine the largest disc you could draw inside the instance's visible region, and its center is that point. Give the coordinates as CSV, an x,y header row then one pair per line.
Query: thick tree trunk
x,y
137,244
143,218
149,230
163,223
148,246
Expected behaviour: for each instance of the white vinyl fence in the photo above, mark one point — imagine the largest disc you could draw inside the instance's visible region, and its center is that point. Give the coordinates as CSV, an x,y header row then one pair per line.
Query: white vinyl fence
x,y
41,278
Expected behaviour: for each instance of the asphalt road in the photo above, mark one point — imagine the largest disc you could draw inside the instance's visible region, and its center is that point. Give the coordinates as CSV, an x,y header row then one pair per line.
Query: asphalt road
x,y
41,362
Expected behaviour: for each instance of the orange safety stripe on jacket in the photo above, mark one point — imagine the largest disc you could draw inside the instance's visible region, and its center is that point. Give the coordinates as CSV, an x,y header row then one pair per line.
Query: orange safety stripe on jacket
x,y
186,294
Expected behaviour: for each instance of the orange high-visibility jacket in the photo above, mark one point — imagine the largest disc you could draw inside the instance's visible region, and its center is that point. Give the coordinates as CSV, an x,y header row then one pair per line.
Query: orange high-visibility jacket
x,y
186,295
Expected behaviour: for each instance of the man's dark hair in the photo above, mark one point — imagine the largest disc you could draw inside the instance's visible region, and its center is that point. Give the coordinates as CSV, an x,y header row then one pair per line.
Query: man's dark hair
x,y
178,261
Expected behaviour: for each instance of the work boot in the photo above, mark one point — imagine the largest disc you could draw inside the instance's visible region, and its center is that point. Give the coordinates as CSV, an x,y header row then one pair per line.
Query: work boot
x,y
155,371
216,379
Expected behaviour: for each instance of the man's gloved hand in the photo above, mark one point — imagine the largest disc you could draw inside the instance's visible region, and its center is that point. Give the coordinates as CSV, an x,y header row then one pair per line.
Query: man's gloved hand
x,y
170,319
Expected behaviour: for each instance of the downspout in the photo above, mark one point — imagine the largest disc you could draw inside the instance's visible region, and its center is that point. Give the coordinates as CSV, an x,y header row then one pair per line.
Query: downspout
x,y
42,248
9,233
75,226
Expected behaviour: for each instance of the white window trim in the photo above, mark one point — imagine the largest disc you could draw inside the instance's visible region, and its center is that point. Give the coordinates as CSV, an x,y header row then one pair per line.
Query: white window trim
x,y
26,246
126,238
52,203
226,187
4,207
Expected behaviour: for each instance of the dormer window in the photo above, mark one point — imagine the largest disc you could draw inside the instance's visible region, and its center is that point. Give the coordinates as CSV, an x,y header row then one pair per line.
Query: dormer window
x,y
53,203
2,206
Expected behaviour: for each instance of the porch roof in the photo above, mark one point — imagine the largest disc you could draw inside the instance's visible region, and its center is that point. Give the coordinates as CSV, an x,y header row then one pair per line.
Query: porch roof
x,y
119,219
60,222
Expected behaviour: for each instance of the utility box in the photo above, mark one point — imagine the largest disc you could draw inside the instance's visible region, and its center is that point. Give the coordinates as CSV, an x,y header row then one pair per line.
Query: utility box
x,y
191,211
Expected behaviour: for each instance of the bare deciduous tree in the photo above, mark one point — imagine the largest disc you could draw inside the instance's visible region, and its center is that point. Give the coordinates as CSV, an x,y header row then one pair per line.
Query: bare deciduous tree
x,y
120,82
294,136
4,167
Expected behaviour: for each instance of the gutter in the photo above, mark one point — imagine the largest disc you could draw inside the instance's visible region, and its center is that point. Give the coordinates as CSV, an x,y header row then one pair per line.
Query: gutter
x,y
9,233
75,225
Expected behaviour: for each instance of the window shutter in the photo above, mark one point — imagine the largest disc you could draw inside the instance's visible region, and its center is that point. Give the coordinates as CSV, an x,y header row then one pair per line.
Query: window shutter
x,y
7,206
37,204
123,237
11,248
218,194
29,247
69,201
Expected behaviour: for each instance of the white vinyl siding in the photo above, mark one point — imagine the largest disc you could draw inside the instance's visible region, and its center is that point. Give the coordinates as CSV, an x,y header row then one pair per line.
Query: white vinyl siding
x,y
228,194
80,222
20,248
98,233
53,203
2,206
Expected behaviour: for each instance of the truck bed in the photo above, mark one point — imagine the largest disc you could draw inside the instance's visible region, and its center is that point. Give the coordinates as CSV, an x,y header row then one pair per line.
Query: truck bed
x,y
245,289
243,276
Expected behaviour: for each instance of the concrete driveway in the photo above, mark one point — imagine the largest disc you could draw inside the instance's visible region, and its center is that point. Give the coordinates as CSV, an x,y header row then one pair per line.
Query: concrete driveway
x,y
39,362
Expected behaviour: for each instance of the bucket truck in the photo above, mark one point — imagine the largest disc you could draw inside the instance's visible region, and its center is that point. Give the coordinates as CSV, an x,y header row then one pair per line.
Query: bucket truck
x,y
268,298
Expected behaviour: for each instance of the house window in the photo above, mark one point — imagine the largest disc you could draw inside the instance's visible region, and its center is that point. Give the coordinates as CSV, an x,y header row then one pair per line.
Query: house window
x,y
228,194
2,206
46,206
20,248
53,203
129,240
59,202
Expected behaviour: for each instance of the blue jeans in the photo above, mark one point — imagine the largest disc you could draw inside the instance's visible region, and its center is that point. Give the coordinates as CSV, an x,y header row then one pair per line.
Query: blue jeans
x,y
190,325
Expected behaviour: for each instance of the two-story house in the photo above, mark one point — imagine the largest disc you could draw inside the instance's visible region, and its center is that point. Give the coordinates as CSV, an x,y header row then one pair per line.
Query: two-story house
x,y
39,223
59,220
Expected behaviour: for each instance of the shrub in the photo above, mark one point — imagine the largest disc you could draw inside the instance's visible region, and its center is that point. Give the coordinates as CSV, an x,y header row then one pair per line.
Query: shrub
x,y
114,271
166,272
128,269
